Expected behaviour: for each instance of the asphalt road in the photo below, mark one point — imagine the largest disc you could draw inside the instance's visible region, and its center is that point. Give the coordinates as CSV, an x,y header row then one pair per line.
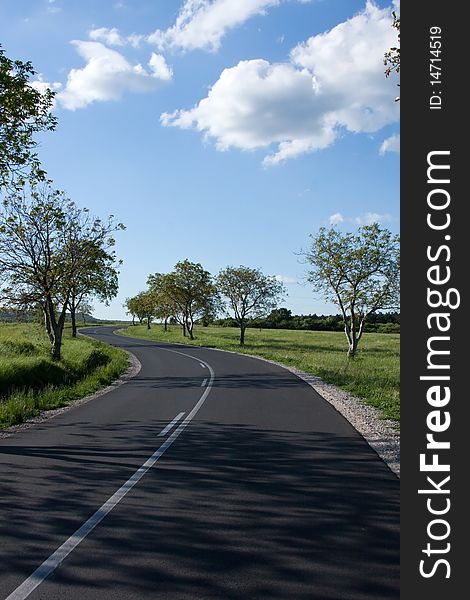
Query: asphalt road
x,y
261,490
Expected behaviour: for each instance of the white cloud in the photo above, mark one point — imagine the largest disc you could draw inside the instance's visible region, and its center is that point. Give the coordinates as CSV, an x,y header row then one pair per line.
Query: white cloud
x,y
112,37
203,23
256,103
41,86
286,279
366,219
333,82
371,217
391,144
336,219
347,64
135,39
52,8
107,75
159,67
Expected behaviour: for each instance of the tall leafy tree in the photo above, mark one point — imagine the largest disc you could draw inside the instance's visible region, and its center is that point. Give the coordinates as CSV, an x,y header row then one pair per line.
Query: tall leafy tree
x,y
33,254
85,309
135,309
250,294
164,305
143,306
94,267
24,111
46,255
359,272
192,292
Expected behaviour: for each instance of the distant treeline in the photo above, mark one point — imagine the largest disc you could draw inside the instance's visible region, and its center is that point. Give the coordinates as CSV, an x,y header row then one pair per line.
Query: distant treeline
x,y
282,318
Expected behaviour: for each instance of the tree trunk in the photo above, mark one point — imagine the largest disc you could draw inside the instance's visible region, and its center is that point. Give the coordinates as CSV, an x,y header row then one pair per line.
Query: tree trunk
x,y
189,327
148,322
352,342
73,318
133,319
353,338
184,328
47,322
57,326
352,349
242,334
57,343
166,324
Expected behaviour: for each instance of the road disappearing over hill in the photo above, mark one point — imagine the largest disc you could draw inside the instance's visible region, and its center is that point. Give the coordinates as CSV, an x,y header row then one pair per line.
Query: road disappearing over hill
x,y
209,475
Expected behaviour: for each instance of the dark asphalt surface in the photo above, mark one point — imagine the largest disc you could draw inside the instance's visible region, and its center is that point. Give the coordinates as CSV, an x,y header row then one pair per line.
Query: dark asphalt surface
x,y
268,493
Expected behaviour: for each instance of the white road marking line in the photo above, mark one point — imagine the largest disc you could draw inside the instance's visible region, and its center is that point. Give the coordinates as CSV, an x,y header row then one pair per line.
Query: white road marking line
x,y
202,364
171,425
57,557
204,382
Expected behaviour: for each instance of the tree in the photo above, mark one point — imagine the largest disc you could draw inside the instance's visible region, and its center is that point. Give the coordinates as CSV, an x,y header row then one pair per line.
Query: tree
x,y
141,306
24,111
164,306
94,267
392,56
85,309
359,272
33,254
46,253
131,306
250,294
192,293
148,305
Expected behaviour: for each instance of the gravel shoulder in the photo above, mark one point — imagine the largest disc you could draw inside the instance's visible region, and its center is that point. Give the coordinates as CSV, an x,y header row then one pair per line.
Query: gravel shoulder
x,y
381,434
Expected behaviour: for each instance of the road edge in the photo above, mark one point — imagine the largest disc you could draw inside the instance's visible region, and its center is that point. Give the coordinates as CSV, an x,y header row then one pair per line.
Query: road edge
x,y
380,434
45,415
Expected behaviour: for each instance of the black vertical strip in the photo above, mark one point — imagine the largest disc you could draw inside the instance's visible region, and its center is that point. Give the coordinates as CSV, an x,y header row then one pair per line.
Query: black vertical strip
x,y
434,546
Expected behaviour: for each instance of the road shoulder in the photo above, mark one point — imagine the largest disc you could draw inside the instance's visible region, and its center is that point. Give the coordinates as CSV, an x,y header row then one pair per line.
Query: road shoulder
x,y
45,415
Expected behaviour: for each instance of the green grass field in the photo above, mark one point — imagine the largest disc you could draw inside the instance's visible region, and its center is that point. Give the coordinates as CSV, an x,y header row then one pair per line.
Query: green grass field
x,y
30,381
374,375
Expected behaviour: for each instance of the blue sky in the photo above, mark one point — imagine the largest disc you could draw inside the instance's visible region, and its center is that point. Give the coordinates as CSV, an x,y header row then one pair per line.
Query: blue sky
x,y
222,131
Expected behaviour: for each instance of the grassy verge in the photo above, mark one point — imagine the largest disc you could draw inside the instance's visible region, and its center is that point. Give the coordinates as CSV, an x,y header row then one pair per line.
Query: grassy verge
x,y
31,382
374,374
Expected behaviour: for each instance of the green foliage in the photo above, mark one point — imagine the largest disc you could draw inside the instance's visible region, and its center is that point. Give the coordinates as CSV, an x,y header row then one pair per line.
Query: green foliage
x,y
53,254
249,293
392,56
93,267
30,381
373,376
187,294
359,272
163,304
24,111
282,318
143,306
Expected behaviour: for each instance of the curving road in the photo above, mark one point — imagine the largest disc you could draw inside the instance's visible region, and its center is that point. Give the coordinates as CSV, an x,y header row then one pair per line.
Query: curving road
x,y
209,475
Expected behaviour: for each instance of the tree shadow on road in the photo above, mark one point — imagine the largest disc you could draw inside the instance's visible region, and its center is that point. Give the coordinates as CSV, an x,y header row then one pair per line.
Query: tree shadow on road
x,y
229,512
